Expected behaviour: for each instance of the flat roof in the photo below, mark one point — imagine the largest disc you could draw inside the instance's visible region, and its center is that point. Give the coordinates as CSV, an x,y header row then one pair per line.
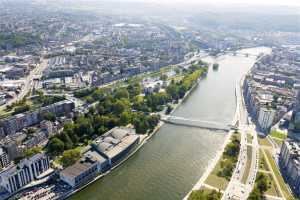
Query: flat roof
x,y
115,150
96,156
115,141
78,168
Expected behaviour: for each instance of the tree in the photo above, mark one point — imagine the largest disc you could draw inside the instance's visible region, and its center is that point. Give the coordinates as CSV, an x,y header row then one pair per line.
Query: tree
x,y
227,168
125,118
261,186
102,130
140,123
55,146
92,110
163,77
83,92
205,195
32,151
98,95
231,150
152,120
83,127
89,99
68,144
21,109
262,182
69,157
120,106
134,89
49,116
121,93
197,195
30,131
172,90
255,195
169,109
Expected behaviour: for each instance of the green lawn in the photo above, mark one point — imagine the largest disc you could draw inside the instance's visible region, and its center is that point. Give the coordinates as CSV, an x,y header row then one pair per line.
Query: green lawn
x,y
249,138
278,141
204,193
278,134
216,181
262,162
264,142
272,190
277,173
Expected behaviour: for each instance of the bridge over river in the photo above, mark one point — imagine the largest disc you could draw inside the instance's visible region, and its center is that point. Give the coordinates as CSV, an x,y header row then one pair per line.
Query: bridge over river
x,y
203,124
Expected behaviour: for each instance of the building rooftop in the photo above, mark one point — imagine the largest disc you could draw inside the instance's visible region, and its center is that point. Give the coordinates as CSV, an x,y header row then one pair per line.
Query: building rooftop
x,y
95,156
80,166
117,149
115,141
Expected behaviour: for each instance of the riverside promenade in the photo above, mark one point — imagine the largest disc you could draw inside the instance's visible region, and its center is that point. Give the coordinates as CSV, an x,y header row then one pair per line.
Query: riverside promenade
x,y
215,160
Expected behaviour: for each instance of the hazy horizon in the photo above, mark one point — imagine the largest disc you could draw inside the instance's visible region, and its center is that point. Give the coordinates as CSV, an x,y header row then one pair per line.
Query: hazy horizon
x,y
290,3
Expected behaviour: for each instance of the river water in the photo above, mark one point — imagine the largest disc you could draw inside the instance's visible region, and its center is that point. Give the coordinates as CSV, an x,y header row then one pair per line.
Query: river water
x,y
172,161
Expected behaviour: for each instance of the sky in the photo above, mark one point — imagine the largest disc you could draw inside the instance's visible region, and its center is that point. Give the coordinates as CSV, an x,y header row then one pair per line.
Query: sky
x,y
250,2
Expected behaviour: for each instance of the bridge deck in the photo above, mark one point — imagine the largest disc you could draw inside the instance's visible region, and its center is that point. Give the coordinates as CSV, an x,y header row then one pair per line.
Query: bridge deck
x,y
208,127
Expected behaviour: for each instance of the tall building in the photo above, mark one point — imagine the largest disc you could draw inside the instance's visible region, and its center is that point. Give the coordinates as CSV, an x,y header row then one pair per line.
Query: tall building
x,y
17,176
4,160
265,118
15,123
289,161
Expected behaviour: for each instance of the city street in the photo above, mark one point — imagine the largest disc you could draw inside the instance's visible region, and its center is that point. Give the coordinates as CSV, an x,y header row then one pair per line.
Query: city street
x,y
36,73
236,189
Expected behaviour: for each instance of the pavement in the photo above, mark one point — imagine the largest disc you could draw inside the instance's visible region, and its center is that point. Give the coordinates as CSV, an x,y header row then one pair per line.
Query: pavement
x,y
236,189
28,82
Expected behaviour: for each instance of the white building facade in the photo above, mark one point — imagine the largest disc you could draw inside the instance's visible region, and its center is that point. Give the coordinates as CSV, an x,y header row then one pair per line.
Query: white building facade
x,y
17,176
266,118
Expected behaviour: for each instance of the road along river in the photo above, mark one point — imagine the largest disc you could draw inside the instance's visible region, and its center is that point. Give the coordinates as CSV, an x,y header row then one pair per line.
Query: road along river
x,y
172,161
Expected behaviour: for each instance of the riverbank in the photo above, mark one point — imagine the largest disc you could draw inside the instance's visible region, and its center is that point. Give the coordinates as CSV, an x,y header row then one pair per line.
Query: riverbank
x,y
173,160
144,140
213,163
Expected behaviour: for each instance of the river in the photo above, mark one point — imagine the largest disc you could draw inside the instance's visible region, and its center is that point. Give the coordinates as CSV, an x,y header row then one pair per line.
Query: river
x,y
172,161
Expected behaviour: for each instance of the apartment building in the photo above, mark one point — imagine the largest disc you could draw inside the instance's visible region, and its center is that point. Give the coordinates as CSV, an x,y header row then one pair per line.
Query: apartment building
x,y
17,176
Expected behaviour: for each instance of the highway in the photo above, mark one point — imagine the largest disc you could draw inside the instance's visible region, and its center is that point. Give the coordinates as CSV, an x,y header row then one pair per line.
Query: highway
x,y
236,189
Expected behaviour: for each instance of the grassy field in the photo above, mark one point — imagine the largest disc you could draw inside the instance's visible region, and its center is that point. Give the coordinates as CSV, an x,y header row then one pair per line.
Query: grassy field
x,y
278,141
277,173
248,164
272,190
262,162
264,142
216,181
206,192
249,138
263,165
278,134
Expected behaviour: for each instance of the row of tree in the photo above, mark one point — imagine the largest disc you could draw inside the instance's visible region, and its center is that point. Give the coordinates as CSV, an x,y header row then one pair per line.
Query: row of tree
x,y
113,109
262,184
118,107
229,158
204,195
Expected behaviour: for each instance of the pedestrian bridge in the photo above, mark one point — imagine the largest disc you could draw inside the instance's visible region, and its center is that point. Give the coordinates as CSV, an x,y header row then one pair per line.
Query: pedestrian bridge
x,y
202,124
244,54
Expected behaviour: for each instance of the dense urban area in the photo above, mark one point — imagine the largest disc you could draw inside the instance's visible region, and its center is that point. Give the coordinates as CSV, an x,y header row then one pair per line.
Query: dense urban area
x,y
83,88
